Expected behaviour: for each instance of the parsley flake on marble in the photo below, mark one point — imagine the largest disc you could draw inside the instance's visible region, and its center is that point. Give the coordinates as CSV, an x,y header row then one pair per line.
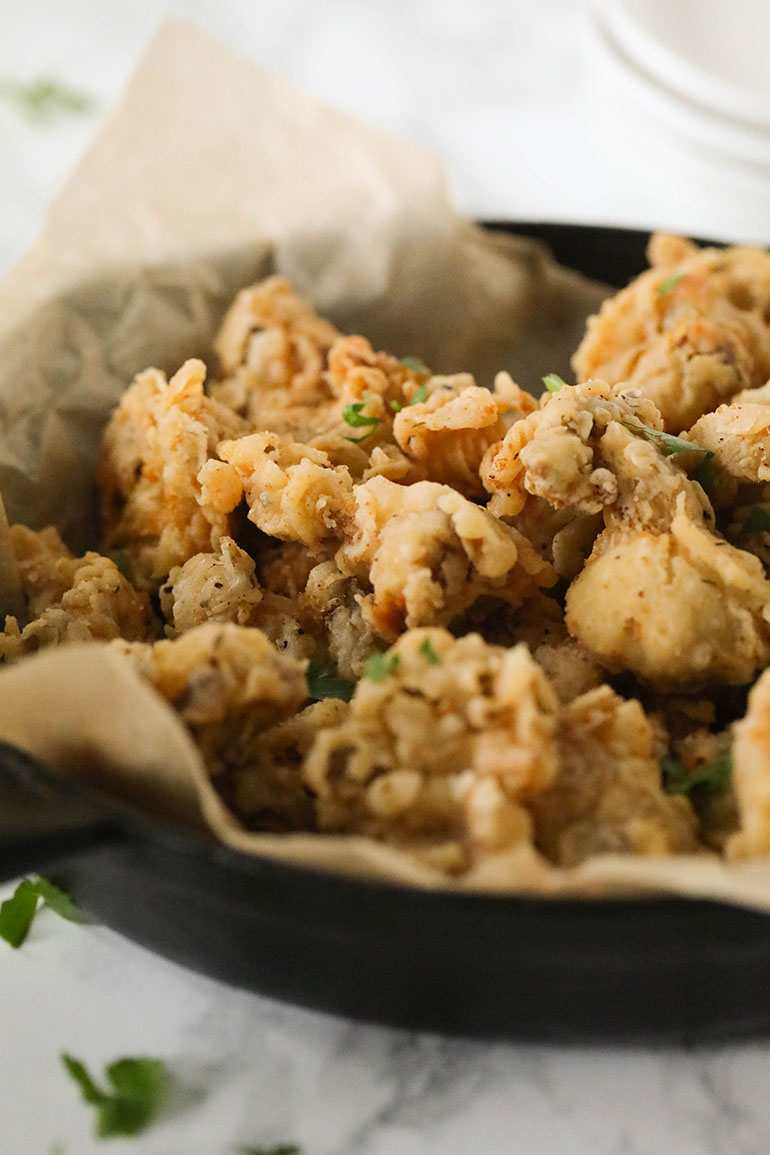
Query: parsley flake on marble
x,y
281,1149
41,100
137,1089
17,913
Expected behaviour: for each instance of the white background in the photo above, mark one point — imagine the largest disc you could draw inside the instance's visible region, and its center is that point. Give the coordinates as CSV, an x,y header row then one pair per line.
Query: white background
x,y
495,89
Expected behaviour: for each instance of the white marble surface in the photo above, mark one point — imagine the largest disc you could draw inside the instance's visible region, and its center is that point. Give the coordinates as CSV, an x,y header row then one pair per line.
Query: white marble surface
x,y
495,89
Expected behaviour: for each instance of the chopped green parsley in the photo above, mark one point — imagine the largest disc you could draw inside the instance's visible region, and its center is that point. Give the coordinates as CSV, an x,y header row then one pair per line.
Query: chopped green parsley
x,y
668,443
709,778
323,681
137,1089
427,651
42,100
379,666
18,912
416,366
665,287
353,414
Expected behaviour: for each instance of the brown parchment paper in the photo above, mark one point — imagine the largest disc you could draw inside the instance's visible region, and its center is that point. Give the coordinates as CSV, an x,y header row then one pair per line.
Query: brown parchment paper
x,y
209,175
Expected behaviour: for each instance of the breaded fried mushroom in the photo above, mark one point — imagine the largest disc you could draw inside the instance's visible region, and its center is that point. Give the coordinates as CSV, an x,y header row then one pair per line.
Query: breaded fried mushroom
x,y
70,599
751,775
217,587
607,795
689,333
228,684
428,554
293,491
154,507
449,432
273,353
440,750
662,594
555,452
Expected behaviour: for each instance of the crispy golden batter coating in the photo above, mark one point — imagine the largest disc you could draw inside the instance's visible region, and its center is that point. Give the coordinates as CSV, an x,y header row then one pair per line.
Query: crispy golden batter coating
x,y
158,440
334,603
357,372
229,685
429,554
44,566
70,599
293,491
689,333
369,387
555,453
220,586
739,437
273,352
265,783
748,521
449,432
327,497
571,669
440,755
662,594
607,795
564,537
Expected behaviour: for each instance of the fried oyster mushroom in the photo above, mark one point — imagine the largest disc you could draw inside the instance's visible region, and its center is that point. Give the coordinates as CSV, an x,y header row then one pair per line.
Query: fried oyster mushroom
x,y
273,353
265,784
689,333
440,753
556,452
70,599
607,796
450,430
231,687
663,594
428,554
156,508
220,586
293,492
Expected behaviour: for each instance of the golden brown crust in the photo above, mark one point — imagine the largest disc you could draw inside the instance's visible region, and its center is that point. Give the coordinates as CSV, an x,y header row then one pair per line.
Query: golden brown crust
x,y
70,599
326,500
155,509
441,753
690,333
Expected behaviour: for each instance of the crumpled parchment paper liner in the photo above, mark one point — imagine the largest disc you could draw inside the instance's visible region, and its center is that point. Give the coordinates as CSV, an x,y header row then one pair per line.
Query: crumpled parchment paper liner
x,y
112,731
209,175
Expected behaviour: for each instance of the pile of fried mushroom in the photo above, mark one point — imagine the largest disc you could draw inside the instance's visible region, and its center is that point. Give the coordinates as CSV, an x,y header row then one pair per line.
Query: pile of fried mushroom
x,y
452,618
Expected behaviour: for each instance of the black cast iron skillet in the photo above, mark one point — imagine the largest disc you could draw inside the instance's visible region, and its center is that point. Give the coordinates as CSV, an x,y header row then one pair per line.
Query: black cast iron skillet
x,y
655,969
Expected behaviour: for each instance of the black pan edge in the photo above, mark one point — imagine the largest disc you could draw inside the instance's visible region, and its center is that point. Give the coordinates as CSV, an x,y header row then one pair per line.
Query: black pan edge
x,y
655,969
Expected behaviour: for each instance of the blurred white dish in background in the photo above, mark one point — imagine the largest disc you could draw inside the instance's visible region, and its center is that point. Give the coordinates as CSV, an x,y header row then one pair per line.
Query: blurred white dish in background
x,y
712,51
681,89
